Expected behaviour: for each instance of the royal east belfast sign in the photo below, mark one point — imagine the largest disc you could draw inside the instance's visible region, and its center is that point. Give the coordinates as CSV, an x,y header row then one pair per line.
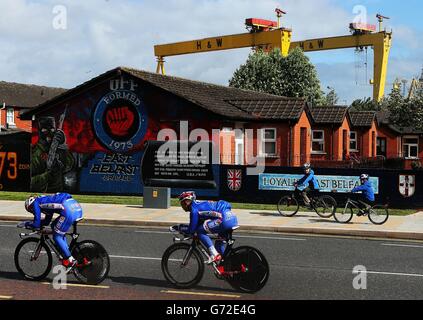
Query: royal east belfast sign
x,y
340,184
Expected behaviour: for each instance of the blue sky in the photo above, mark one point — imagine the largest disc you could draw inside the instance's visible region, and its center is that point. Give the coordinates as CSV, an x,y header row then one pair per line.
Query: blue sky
x,y
103,34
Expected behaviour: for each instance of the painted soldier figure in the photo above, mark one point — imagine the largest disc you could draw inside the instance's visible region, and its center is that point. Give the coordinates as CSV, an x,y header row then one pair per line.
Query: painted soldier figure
x,y
50,158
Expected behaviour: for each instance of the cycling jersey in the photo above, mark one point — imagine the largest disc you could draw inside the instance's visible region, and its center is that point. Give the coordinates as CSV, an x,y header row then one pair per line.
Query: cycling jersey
x,y
309,180
367,191
208,210
210,217
69,211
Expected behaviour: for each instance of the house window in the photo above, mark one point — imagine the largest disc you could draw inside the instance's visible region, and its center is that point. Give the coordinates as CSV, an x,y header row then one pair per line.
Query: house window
x,y
381,147
268,139
317,141
10,116
411,147
353,141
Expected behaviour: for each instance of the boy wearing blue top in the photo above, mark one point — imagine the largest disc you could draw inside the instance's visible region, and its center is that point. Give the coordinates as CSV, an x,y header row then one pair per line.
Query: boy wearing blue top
x,y
367,197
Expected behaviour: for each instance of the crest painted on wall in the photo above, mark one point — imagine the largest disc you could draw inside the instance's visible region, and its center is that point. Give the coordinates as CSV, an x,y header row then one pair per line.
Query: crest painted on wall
x,y
120,120
407,185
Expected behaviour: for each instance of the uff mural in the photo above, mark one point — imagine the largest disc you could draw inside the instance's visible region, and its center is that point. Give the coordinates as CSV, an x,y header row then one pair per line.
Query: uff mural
x,y
92,138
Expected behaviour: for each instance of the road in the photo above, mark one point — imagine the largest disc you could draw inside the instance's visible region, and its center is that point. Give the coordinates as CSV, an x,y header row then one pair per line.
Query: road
x,y
302,267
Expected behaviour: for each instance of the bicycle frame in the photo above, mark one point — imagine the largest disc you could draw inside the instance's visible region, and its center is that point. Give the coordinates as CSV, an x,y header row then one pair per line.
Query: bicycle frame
x,y
354,203
45,239
197,244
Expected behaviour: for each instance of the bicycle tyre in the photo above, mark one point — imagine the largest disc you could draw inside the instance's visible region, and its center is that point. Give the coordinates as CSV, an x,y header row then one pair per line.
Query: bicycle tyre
x,y
378,210
344,217
18,266
326,202
95,253
198,259
256,265
288,206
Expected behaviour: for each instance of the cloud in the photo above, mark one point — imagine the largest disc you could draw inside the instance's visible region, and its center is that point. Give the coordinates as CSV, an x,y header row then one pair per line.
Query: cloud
x,y
103,34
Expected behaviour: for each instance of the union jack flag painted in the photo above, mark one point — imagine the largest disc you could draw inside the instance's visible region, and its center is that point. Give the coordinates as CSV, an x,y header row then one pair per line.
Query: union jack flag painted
x,y
234,179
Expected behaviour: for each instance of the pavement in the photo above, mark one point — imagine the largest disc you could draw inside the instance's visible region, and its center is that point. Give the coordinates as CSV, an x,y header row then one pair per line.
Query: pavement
x,y
397,227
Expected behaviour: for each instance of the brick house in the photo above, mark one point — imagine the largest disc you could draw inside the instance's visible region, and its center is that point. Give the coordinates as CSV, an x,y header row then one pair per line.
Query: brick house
x,y
16,98
330,131
394,142
363,134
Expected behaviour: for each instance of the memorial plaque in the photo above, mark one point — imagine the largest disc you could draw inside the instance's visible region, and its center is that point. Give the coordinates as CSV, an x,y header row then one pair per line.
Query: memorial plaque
x,y
179,164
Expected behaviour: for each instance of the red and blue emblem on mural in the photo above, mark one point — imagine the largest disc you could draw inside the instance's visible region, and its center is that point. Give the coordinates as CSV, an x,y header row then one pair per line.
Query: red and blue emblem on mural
x,y
234,179
120,120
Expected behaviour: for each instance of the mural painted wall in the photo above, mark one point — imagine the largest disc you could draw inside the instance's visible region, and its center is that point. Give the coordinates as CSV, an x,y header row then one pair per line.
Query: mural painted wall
x,y
94,142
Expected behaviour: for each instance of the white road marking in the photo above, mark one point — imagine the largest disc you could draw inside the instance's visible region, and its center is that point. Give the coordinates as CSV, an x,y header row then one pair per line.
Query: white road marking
x,y
395,274
81,285
401,245
236,236
8,226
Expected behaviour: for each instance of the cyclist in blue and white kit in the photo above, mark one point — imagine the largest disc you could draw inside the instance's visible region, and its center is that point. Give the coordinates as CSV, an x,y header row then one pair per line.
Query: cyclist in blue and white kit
x,y
69,211
208,217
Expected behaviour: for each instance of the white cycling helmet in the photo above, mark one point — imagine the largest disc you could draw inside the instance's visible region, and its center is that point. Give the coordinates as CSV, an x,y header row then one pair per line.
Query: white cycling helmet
x,y
364,176
29,204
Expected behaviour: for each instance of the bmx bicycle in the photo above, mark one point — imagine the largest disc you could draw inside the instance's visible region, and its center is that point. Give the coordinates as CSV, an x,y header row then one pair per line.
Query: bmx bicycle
x,y
377,214
34,260
325,206
244,268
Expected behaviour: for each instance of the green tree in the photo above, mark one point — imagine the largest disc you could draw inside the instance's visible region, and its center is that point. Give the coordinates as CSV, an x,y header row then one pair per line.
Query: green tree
x,y
331,98
366,104
404,112
291,76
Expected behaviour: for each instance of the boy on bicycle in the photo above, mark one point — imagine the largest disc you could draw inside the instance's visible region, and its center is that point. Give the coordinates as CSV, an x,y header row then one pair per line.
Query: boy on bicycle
x,y
208,217
367,197
307,184
69,211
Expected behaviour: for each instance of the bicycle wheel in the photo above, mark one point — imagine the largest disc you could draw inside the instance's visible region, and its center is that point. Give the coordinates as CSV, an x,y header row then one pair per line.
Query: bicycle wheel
x,y
249,268
98,262
182,265
288,206
33,259
344,216
378,215
325,206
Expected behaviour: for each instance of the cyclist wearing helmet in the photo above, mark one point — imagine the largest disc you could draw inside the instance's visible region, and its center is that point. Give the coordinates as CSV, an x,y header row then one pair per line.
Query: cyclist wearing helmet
x,y
307,184
208,217
367,197
69,211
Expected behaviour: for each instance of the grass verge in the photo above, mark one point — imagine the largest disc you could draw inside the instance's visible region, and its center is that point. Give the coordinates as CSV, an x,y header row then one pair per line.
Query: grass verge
x,y
138,200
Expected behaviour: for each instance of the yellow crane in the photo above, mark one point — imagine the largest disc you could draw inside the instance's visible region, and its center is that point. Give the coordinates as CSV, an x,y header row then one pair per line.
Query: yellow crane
x,y
268,35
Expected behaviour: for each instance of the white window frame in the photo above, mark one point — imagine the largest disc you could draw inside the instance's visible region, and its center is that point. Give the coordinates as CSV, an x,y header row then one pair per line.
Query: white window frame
x,y
8,116
321,141
265,140
411,145
354,140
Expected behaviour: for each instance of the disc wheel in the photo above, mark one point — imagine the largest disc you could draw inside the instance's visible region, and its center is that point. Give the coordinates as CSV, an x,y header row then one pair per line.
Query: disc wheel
x,y
93,261
249,269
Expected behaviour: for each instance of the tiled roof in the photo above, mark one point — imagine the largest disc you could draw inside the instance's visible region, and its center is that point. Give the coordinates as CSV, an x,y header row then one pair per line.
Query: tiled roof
x,y
26,95
228,102
362,118
328,114
281,109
